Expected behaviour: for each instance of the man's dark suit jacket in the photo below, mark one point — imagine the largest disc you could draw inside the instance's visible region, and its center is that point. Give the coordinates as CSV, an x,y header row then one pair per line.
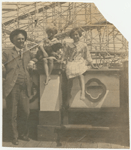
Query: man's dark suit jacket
x,y
10,61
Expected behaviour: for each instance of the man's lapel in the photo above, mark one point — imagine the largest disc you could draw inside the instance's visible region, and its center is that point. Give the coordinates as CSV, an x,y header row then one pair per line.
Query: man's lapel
x,y
15,55
24,58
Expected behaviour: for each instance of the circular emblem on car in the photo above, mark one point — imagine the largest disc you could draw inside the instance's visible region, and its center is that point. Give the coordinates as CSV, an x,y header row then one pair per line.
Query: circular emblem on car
x,y
95,90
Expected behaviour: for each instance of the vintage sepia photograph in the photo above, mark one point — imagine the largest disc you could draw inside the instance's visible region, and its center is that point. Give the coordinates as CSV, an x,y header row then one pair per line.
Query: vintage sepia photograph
x,y
64,77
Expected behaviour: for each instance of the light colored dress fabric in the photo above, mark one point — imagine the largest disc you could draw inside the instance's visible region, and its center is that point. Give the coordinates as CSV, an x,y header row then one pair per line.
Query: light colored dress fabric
x,y
78,59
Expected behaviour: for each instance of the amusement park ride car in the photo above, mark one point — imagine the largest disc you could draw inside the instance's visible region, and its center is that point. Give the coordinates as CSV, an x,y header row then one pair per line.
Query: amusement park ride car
x,y
105,106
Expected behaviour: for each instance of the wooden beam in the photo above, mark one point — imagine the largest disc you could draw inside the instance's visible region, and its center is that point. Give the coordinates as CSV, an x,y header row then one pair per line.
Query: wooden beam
x,y
19,3
84,127
9,9
32,13
85,27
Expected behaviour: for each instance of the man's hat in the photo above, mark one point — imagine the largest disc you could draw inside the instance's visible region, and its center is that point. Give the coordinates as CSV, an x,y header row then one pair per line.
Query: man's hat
x,y
16,32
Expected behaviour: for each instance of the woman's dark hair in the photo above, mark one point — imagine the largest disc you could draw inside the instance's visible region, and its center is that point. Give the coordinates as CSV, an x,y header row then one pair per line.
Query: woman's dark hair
x,y
75,30
52,30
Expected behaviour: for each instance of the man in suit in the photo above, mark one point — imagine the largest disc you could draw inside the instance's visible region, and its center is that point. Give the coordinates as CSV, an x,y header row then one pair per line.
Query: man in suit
x,y
17,83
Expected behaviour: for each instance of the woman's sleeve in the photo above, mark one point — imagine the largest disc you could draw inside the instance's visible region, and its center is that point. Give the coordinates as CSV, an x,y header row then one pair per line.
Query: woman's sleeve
x,y
88,55
66,52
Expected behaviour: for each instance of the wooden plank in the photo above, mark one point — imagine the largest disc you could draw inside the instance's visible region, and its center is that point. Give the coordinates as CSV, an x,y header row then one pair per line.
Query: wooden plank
x,y
72,142
54,145
12,145
126,147
8,9
32,143
119,139
9,144
104,145
44,144
72,145
6,144
89,145
116,146
22,143
63,143
85,127
18,3
46,133
89,140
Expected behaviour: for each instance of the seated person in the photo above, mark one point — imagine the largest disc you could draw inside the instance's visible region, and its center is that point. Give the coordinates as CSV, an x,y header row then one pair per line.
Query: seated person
x,y
48,52
78,59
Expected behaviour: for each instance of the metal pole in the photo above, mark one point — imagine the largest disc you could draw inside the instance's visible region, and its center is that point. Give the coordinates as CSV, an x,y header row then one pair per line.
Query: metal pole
x,y
90,29
17,15
85,14
114,40
44,20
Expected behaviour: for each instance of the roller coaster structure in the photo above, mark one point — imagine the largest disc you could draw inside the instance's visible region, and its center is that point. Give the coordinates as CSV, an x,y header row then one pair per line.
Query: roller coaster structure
x,y
102,37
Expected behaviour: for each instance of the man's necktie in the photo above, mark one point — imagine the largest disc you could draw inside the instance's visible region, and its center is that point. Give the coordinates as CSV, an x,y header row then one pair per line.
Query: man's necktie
x,y
21,53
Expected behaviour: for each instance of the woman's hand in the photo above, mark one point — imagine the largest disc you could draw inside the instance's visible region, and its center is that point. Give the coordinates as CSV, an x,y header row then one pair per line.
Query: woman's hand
x,y
52,57
94,67
47,42
31,65
54,54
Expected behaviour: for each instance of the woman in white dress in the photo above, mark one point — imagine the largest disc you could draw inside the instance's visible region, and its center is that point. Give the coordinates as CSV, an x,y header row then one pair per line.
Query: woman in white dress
x,y
78,59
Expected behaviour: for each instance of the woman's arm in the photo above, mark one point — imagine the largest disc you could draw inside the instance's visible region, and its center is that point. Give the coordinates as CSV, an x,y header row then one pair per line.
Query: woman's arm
x,y
65,51
89,58
54,54
87,54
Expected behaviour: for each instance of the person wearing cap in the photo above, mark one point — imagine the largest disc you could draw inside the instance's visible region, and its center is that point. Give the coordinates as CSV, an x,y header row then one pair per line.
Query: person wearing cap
x,y
17,83
48,52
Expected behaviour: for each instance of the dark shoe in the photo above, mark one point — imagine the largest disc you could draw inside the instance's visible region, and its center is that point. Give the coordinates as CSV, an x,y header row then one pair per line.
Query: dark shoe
x,y
15,141
25,138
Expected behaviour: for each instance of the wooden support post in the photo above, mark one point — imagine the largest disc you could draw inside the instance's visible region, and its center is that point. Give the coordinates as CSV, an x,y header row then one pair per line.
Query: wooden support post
x,y
50,106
